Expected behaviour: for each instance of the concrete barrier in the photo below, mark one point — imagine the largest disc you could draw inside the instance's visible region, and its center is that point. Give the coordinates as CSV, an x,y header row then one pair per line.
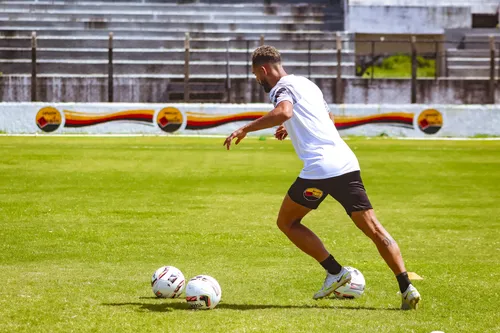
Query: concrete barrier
x,y
477,6
221,119
158,89
407,19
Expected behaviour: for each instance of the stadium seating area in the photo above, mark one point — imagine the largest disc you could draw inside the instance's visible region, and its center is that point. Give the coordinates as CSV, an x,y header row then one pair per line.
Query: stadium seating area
x,y
149,37
471,57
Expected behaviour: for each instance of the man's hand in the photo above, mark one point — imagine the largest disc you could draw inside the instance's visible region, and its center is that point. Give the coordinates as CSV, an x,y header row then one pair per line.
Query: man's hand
x,y
281,133
239,134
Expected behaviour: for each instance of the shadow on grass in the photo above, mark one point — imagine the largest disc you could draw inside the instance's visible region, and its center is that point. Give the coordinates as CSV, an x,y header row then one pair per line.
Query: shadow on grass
x,y
169,305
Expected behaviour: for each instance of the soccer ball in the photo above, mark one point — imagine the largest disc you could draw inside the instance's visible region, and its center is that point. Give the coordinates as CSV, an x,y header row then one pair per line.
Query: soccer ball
x,y
355,288
203,292
168,282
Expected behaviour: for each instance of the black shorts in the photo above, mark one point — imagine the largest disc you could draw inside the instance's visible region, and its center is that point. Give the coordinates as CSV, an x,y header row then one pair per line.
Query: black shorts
x,y
347,189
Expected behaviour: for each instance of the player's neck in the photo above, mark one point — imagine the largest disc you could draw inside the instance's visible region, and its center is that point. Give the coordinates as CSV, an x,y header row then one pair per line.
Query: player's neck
x,y
278,74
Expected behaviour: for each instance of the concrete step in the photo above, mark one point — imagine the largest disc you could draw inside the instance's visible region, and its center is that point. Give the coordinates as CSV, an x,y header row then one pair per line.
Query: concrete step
x,y
156,76
175,33
473,62
480,41
172,24
203,68
473,53
91,41
482,36
476,45
469,71
127,16
164,8
161,76
170,54
181,2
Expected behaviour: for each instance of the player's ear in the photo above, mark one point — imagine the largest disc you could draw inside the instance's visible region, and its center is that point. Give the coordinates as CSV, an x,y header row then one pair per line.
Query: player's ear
x,y
264,70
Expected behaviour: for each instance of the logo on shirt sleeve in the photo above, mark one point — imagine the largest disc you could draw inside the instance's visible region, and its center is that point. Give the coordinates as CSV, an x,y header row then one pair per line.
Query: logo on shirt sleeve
x,y
278,93
313,194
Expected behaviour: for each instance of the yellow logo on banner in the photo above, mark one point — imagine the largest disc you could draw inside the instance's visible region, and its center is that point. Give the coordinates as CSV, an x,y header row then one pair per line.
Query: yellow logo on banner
x,y
48,119
169,119
430,121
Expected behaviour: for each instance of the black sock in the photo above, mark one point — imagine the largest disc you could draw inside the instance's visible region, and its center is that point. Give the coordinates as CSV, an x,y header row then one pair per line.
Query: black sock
x,y
331,265
403,281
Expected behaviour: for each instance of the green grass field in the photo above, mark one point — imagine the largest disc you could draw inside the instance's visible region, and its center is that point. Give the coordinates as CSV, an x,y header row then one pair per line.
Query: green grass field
x,y
86,221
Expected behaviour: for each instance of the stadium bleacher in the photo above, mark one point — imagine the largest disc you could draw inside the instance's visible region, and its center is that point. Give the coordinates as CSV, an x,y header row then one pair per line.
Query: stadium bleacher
x,y
471,56
149,36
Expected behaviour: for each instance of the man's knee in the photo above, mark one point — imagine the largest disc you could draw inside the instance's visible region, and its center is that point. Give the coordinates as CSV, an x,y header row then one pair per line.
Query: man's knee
x,y
286,224
367,222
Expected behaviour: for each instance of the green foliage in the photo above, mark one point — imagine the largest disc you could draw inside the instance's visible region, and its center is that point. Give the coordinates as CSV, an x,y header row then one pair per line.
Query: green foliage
x,y
86,221
399,66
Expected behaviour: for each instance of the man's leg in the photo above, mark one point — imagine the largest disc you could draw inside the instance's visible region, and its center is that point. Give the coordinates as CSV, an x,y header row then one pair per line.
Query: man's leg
x,y
389,250
386,245
289,218
289,222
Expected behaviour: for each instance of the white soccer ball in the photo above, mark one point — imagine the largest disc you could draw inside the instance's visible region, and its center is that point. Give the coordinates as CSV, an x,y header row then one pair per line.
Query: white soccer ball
x,y
203,292
168,282
355,288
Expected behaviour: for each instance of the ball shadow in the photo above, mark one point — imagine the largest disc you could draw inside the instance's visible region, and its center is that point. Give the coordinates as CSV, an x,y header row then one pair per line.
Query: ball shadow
x,y
172,305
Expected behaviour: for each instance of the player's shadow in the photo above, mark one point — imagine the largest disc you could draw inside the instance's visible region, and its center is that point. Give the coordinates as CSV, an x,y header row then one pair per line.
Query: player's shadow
x,y
170,305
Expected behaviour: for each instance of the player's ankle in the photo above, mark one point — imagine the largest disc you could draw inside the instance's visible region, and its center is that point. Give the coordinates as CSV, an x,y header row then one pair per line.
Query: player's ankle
x,y
403,281
331,265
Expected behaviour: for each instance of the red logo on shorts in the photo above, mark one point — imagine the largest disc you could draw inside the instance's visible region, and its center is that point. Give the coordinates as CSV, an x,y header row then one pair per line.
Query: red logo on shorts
x,y
313,194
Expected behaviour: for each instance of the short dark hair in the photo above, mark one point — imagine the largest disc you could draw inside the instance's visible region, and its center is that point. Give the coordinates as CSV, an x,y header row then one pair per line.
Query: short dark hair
x,y
266,54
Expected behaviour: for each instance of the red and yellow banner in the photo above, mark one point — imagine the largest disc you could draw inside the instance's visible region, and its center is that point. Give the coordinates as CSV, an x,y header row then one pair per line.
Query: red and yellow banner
x,y
171,119
81,119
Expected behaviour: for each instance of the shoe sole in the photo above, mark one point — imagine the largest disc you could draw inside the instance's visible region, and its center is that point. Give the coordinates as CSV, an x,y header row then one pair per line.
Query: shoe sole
x,y
331,291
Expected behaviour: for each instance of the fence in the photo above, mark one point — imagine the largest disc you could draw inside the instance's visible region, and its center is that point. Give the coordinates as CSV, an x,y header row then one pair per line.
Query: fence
x,y
330,58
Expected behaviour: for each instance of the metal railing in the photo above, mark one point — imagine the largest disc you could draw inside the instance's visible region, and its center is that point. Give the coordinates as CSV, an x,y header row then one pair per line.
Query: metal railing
x,y
370,56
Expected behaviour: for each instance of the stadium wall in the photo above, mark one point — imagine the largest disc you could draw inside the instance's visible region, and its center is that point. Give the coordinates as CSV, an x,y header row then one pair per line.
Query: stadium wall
x,y
407,19
156,90
221,119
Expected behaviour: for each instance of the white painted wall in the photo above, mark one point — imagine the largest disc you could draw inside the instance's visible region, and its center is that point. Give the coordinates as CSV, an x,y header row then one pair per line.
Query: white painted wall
x,y
457,120
406,19
477,6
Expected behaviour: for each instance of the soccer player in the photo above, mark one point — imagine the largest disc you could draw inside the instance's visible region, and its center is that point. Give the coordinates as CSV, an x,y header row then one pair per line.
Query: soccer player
x,y
330,168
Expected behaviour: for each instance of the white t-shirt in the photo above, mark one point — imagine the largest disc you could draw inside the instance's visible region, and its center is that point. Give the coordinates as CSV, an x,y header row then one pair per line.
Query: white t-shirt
x,y
313,134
